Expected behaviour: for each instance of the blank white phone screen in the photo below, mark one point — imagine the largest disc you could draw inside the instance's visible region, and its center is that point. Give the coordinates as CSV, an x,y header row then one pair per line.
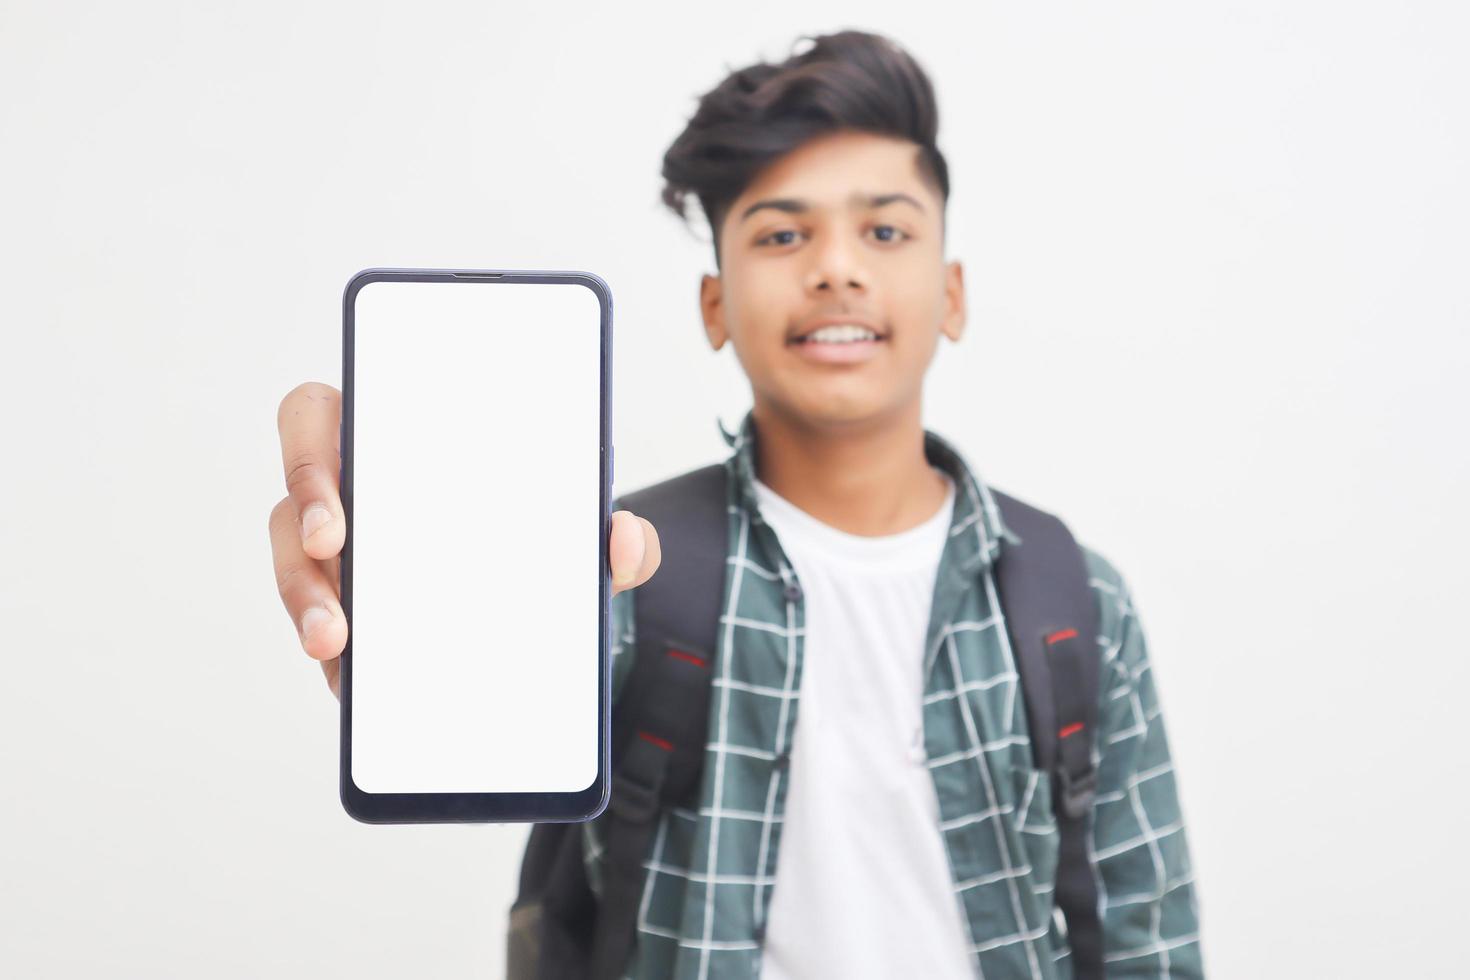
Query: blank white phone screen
x,y
476,560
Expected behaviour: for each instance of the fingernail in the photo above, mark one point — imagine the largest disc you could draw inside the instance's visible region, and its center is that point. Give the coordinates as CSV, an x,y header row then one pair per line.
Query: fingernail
x,y
314,619
316,515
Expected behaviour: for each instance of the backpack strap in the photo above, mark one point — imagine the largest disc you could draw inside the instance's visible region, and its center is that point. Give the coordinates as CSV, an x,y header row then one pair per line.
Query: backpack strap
x,y
1052,619
661,726
553,917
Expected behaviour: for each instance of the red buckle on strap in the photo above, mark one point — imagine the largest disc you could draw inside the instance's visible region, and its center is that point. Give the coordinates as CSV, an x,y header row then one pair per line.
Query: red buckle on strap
x,y
681,655
661,743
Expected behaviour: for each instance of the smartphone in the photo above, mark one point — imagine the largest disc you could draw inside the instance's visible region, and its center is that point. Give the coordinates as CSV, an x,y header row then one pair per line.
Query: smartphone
x,y
476,479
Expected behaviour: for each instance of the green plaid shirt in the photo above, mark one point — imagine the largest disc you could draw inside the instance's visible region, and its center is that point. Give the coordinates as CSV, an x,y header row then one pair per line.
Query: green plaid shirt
x,y
710,872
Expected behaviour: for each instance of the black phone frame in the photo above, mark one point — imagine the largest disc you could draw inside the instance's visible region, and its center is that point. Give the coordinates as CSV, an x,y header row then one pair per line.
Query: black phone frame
x,y
570,807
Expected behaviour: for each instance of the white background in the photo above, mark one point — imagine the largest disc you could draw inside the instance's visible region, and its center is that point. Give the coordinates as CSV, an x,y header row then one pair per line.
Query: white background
x,y
1216,258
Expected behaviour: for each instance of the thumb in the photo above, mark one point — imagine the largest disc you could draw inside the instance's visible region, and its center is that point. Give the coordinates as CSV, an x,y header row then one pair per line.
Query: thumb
x,y
625,549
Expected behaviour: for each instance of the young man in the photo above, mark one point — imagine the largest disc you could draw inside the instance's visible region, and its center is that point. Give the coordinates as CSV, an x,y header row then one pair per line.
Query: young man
x,y
869,806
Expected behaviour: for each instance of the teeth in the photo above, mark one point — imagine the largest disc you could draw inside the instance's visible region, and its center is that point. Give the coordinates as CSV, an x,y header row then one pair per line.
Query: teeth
x,y
845,333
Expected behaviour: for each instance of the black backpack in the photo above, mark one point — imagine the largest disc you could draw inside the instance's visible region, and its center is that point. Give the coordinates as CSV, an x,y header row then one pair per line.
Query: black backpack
x,y
560,931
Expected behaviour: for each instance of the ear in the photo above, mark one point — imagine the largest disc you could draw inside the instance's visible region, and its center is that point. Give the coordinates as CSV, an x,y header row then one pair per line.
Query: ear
x,y
712,308
953,323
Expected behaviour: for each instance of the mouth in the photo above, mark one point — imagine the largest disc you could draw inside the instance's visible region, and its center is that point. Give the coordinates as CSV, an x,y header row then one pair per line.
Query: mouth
x,y
837,331
845,343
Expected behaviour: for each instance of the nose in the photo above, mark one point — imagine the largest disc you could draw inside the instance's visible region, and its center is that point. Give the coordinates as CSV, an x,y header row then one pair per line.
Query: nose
x,y
835,267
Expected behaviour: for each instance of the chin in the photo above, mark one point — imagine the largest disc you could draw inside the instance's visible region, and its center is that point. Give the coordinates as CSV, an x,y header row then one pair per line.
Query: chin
x,y
839,409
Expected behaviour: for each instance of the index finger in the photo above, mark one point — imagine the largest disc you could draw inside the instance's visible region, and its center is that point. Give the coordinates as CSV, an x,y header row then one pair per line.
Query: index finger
x,y
308,420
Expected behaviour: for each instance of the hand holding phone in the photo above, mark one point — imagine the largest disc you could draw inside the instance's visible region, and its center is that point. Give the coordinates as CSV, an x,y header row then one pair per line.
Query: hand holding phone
x,y
481,454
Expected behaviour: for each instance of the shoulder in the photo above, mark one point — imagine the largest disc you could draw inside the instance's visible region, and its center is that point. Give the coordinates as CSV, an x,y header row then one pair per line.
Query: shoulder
x,y
1117,618
1108,584
1109,588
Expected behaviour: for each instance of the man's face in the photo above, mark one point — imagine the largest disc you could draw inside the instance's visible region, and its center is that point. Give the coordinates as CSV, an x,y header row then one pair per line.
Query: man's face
x,y
840,230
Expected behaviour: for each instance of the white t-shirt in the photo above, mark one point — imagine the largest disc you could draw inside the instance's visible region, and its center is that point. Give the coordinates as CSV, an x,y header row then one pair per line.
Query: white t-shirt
x,y
863,887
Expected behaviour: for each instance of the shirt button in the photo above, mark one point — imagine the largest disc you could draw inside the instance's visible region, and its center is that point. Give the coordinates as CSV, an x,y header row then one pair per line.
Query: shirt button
x,y
782,761
793,592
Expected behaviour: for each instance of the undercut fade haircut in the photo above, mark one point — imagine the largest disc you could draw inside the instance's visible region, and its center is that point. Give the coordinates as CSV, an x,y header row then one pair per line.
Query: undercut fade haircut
x,y
848,80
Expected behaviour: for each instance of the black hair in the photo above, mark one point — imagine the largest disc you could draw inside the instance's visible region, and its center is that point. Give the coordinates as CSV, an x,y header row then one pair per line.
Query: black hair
x,y
848,80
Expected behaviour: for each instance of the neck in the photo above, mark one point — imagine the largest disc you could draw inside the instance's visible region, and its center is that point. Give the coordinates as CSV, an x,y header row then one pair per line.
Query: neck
x,y
870,478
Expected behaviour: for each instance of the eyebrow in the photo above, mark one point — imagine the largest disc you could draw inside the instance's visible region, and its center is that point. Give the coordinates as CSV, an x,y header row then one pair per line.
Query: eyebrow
x,y
795,205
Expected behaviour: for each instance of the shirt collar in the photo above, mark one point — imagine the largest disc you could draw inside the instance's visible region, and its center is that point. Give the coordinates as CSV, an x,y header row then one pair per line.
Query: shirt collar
x,y
976,530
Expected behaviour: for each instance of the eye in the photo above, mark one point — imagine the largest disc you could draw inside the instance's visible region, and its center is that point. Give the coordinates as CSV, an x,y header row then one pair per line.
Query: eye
x,y
774,234
893,229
